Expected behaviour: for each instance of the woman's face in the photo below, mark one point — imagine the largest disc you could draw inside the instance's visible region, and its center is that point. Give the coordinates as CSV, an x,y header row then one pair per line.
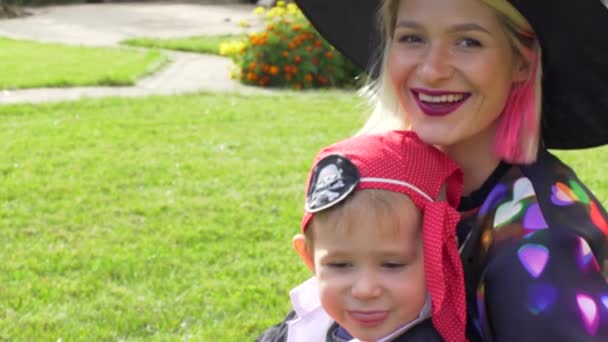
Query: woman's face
x,y
452,66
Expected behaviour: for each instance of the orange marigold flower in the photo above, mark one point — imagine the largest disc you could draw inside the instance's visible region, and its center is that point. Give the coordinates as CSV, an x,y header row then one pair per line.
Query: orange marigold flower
x,y
297,59
322,79
270,27
318,43
315,61
296,27
308,78
292,46
265,67
309,48
329,55
285,54
253,38
274,70
252,76
252,66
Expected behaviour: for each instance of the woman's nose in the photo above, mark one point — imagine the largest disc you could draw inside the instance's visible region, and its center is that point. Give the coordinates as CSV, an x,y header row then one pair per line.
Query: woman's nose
x,y
435,65
366,286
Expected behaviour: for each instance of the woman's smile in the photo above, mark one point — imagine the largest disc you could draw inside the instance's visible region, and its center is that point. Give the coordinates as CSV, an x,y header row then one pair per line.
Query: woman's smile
x,y
438,102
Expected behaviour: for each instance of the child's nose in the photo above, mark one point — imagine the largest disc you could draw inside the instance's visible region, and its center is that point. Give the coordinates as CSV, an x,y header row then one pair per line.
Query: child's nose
x,y
366,286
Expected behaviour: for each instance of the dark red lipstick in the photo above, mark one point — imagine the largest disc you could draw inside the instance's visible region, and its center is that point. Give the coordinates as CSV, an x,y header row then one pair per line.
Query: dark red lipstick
x,y
436,108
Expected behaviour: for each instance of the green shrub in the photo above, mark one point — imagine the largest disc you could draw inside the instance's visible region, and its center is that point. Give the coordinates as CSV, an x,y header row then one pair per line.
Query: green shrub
x,y
289,52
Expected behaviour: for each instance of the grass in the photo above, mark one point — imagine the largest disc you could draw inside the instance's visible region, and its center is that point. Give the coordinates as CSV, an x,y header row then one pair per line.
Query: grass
x,y
155,219
198,44
588,166
28,64
163,218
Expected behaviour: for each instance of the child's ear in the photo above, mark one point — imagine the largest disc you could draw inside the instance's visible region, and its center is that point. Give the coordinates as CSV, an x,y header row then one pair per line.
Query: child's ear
x,y
299,244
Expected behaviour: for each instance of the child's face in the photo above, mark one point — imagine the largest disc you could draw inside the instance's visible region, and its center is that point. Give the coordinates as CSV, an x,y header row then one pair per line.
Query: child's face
x,y
371,275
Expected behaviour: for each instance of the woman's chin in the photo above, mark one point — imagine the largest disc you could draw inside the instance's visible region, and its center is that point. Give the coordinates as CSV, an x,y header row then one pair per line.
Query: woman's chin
x,y
434,137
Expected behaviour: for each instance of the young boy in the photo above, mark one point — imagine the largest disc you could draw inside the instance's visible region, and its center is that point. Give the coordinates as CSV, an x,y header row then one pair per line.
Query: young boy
x,y
379,234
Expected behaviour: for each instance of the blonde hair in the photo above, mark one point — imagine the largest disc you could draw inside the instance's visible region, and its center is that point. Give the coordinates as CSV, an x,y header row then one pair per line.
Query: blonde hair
x,y
386,208
518,132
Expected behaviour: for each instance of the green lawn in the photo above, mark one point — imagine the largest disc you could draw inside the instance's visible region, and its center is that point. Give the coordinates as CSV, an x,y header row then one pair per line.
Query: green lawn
x,y
28,64
590,167
157,218
199,44
163,218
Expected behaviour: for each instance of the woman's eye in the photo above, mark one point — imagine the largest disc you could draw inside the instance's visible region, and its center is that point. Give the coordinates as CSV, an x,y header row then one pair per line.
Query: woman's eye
x,y
409,38
469,42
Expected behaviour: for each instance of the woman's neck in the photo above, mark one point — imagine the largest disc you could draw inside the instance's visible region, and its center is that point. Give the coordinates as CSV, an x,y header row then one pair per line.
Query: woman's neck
x,y
476,158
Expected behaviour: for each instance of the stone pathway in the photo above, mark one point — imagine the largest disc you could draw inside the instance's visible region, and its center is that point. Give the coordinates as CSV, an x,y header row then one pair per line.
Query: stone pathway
x,y
108,24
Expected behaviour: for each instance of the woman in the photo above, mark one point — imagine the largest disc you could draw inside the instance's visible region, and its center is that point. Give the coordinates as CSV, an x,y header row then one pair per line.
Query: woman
x,y
472,77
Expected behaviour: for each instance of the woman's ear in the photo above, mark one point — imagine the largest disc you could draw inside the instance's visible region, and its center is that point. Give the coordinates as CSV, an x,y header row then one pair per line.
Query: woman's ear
x,y
521,71
299,244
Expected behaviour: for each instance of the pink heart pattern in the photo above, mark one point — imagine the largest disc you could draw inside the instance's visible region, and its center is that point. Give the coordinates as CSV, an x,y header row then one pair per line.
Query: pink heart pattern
x,y
534,258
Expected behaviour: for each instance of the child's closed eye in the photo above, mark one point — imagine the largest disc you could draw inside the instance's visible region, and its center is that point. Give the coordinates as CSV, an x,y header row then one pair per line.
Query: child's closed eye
x,y
393,265
339,265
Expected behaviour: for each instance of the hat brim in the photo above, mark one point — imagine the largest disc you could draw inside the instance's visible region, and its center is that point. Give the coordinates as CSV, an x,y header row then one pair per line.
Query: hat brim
x,y
574,42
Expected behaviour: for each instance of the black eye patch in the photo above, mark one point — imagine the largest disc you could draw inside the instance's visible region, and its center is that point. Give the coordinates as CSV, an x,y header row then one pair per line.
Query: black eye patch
x,y
333,179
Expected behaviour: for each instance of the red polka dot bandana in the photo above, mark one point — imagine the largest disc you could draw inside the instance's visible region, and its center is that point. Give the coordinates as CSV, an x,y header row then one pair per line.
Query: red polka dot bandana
x,y
398,161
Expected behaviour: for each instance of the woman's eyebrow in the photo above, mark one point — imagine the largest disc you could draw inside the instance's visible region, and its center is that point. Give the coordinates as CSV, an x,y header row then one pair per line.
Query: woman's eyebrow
x,y
408,24
455,28
468,27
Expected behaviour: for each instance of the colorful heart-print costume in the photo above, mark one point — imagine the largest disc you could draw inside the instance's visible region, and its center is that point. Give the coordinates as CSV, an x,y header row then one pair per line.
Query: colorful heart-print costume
x,y
533,255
